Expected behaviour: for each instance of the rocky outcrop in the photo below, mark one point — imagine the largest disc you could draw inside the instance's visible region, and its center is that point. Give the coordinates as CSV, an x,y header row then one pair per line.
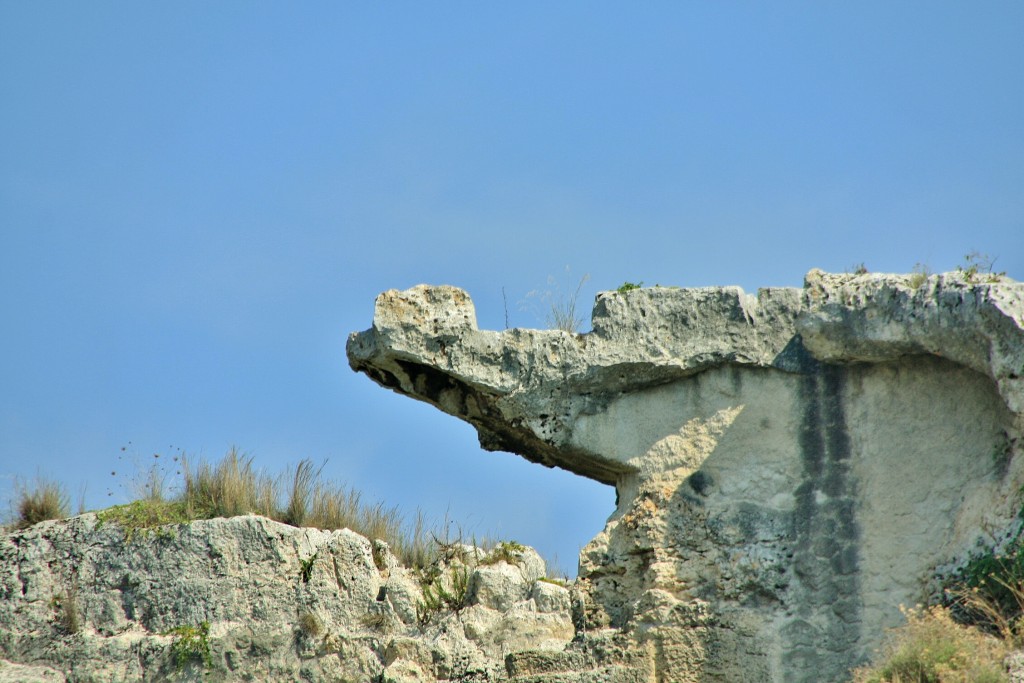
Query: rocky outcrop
x,y
790,466
248,598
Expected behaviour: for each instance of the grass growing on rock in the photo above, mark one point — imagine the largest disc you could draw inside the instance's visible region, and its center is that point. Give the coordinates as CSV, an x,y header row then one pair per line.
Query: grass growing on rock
x,y
506,551
233,486
46,500
970,636
143,516
934,647
191,644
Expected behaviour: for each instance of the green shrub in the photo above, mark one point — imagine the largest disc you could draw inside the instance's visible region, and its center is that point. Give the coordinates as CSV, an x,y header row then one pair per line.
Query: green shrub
x,y
191,644
506,551
448,590
233,486
989,590
629,287
306,567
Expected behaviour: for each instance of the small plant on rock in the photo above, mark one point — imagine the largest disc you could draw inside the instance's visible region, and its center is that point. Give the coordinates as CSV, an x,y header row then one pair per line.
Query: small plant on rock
x,y
555,581
977,267
446,591
310,624
306,567
919,275
47,500
69,615
191,644
377,621
301,494
629,287
560,313
506,551
989,590
933,647
141,517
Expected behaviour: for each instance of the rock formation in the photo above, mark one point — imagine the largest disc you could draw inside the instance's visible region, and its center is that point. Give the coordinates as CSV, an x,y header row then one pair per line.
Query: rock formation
x,y
250,599
790,467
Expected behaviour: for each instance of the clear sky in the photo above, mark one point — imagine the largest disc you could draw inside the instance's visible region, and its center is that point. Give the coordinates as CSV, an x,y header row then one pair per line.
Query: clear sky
x,y
199,201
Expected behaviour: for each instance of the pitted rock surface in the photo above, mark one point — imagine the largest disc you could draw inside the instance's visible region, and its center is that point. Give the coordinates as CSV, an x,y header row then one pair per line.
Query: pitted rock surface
x,y
791,466
279,604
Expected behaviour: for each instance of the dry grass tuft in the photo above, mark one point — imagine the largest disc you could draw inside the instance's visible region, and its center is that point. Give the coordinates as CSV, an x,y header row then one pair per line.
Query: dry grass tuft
x,y
932,647
311,625
416,546
304,481
229,489
47,500
233,486
68,613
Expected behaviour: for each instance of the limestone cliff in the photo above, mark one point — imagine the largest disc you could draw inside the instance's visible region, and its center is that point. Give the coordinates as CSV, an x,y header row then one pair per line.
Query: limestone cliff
x,y
790,466
250,599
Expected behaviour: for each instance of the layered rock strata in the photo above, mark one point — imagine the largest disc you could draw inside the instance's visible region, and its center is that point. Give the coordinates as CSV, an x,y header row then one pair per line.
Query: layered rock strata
x,y
791,466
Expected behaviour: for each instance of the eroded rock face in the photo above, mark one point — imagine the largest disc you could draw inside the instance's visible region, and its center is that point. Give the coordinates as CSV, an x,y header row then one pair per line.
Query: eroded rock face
x,y
790,466
248,598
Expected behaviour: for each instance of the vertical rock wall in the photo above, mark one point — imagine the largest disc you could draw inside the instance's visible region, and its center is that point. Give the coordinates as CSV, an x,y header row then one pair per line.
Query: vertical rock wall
x,y
790,467
807,507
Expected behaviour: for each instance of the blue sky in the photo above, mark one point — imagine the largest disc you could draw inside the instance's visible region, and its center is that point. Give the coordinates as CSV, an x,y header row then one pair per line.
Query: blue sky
x,y
198,202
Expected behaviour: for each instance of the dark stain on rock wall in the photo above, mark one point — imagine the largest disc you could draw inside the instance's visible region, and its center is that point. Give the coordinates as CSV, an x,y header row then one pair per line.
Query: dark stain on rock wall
x,y
825,534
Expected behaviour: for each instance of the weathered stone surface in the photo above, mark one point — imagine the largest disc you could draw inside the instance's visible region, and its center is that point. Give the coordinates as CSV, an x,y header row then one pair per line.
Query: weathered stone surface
x,y
281,603
499,587
18,673
790,466
550,597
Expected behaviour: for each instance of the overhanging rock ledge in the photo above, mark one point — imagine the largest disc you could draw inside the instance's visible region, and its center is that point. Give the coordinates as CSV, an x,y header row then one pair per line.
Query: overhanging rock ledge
x,y
791,466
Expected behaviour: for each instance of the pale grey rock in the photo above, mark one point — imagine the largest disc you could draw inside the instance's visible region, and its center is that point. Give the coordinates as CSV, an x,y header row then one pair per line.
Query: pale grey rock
x,y
522,389
410,649
517,629
405,672
531,564
281,603
19,673
790,466
879,318
498,587
501,585
550,597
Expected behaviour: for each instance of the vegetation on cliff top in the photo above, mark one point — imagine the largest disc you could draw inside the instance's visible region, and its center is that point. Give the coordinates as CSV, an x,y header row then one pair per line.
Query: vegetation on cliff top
x,y
231,487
